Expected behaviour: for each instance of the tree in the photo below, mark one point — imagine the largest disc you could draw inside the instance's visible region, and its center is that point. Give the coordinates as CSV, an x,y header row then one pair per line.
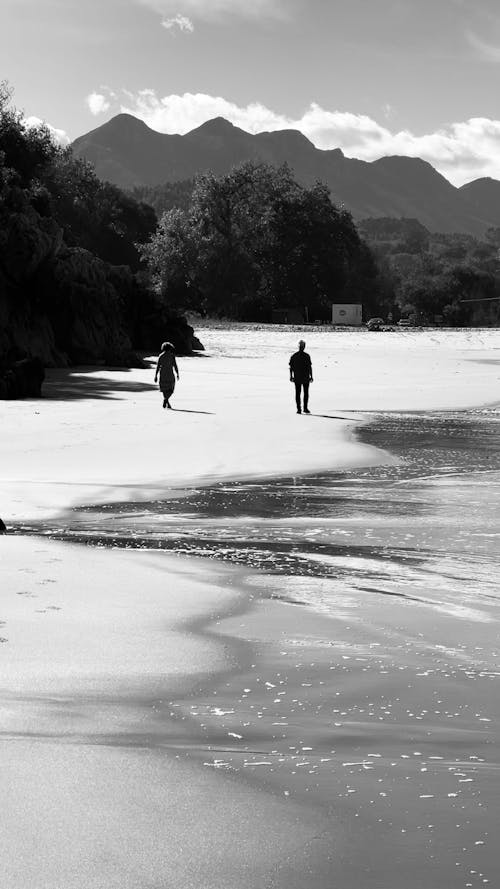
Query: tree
x,y
63,233
170,256
167,196
26,149
253,240
97,215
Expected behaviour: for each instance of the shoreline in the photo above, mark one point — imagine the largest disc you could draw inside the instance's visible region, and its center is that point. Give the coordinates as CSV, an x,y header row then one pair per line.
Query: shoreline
x,y
335,443
144,698
69,719
101,435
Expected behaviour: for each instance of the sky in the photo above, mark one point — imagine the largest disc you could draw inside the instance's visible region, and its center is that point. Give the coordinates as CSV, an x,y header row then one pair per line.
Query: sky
x,y
373,77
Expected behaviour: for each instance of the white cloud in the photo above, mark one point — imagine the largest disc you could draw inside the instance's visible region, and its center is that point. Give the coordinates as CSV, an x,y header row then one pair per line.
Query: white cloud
x,y
178,21
210,10
98,103
179,114
488,52
60,136
460,151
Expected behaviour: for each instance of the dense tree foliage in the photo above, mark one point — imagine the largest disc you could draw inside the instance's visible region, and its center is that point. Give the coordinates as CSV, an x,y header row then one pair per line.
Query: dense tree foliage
x,y
450,278
255,240
166,196
27,150
94,215
97,215
69,291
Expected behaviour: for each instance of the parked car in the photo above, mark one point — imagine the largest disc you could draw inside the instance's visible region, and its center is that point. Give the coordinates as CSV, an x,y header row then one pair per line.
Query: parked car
x,y
405,322
375,324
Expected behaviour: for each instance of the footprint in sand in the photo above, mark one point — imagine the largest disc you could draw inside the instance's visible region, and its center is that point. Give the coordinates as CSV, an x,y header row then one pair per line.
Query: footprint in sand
x,y
3,639
53,608
28,594
46,580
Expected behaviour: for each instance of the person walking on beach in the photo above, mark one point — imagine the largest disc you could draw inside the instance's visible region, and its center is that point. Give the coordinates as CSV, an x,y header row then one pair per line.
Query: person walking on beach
x,y
301,374
165,370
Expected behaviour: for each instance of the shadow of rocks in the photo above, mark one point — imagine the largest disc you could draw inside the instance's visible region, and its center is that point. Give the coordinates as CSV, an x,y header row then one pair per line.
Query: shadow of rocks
x,y
83,383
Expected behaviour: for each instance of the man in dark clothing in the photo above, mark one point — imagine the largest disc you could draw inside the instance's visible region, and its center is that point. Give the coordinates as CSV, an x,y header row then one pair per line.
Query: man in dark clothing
x,y
301,375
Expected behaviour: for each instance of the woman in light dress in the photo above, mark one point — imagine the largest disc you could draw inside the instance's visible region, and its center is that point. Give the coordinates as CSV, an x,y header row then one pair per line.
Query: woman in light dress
x,y
165,371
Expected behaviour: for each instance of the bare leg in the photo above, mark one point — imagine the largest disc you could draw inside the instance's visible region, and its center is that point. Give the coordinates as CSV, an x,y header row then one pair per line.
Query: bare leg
x,y
166,395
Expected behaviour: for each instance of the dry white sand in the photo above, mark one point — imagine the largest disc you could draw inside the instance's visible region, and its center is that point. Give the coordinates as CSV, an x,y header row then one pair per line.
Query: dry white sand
x,y
94,793
102,435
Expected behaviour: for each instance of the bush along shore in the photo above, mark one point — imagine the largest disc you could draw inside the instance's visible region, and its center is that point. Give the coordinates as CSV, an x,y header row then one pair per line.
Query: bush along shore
x,y
71,286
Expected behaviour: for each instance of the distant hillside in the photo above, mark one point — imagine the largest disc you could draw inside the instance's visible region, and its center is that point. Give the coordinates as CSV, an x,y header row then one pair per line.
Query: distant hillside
x,y
128,153
484,196
165,196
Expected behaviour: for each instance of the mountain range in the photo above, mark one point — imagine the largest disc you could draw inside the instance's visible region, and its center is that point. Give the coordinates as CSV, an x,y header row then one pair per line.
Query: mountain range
x,y
127,152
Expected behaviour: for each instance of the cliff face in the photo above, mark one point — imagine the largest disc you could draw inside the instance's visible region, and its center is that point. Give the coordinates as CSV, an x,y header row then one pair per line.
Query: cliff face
x,y
57,303
65,306
70,287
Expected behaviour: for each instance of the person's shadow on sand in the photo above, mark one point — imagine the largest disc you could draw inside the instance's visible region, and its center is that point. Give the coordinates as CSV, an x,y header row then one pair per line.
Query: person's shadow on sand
x,y
185,410
331,417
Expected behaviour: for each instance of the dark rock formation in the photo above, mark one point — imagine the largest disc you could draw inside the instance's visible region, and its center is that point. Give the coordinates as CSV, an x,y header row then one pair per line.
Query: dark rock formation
x,y
64,305
3,529
23,379
85,309
160,326
62,299
196,344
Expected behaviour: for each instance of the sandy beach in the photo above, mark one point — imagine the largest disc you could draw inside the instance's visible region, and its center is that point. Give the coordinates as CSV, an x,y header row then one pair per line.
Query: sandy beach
x,y
314,703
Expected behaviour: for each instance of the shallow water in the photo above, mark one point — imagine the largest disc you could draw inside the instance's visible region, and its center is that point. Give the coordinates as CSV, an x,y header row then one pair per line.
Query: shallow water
x,y
428,527
387,712
378,698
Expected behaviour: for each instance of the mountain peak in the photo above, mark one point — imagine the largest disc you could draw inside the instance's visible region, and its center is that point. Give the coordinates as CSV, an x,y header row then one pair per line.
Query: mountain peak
x,y
128,152
484,182
217,125
119,128
126,123
294,138
404,161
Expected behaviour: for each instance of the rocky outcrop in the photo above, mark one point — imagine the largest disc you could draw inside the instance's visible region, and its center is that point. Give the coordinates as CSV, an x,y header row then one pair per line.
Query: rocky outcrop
x,y
197,345
63,305
86,310
29,241
23,379
161,325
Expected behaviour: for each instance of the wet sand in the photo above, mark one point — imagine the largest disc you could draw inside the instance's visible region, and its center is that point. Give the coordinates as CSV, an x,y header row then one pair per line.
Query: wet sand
x,y
320,710
346,698
369,653
97,790
382,720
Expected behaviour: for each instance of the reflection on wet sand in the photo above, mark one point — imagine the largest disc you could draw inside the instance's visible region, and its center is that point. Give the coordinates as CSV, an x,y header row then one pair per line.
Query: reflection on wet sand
x,y
370,687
